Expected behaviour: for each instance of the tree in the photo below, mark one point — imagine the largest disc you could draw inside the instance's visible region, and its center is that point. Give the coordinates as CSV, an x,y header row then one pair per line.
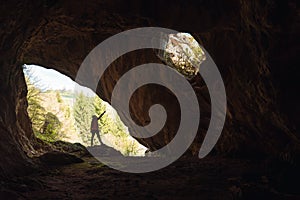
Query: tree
x,y
108,124
83,111
35,110
45,124
51,126
58,97
112,127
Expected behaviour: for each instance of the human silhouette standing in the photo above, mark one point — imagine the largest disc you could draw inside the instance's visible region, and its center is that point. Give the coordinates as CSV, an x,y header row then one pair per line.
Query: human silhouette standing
x,y
95,128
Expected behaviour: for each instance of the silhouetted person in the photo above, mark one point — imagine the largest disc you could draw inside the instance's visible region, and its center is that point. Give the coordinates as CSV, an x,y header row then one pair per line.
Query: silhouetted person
x,y
95,127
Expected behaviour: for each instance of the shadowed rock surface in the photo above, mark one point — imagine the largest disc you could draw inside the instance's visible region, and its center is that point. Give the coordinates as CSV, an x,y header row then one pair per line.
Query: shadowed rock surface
x,y
188,178
58,158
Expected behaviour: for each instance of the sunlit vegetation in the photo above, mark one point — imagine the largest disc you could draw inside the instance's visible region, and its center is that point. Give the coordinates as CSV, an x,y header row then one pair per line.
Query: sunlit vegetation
x,y
65,115
183,53
45,124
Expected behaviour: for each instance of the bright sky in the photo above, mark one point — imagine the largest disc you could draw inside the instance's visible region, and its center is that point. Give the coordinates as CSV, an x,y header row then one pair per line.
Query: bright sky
x,y
53,80
50,79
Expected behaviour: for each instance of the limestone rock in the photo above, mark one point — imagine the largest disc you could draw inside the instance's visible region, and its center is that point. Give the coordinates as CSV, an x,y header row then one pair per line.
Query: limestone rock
x,y
54,158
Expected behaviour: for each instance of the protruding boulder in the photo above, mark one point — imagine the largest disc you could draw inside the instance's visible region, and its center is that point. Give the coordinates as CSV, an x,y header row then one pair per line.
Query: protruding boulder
x,y
183,53
56,158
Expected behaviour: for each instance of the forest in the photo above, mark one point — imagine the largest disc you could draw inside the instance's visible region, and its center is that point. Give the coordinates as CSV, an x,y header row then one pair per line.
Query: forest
x,y
66,115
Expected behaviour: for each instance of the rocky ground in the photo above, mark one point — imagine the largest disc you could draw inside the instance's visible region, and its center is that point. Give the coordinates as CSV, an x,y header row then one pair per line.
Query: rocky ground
x,y
65,176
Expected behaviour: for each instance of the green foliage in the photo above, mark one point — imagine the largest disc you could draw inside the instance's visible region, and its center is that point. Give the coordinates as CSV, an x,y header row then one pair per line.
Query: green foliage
x,y
113,126
109,124
35,110
67,112
53,118
131,148
104,121
51,126
58,97
45,124
83,111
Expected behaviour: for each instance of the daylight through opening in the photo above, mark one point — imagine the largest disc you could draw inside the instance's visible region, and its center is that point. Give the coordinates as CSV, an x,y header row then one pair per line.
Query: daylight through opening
x,y
58,113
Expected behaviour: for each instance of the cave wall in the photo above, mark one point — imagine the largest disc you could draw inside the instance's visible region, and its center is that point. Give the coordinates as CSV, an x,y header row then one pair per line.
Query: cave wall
x,y
240,36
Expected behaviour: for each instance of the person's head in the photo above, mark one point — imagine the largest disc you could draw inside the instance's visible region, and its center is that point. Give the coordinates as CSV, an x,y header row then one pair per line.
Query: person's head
x,y
94,116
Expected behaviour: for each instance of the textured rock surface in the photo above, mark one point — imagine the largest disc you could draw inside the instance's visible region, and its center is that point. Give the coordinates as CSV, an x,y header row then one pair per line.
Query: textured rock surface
x,y
250,41
56,158
218,178
182,52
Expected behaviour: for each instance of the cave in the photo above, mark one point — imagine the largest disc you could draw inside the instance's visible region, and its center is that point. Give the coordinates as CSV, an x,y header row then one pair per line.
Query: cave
x,y
254,45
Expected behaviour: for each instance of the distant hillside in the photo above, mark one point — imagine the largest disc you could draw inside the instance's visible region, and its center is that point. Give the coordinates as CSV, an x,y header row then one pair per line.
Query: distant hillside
x,y
113,132
63,109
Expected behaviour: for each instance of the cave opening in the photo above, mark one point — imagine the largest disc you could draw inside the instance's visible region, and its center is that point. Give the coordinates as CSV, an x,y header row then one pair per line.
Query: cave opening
x,y
59,113
252,42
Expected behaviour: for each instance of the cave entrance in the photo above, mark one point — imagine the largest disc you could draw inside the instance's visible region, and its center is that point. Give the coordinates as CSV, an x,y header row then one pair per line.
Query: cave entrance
x,y
58,113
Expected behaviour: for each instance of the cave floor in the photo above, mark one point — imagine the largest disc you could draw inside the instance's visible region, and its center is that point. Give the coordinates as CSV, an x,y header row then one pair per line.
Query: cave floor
x,y
187,178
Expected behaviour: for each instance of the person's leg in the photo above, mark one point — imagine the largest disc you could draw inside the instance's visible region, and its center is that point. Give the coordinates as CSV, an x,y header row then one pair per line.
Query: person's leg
x,y
92,139
98,135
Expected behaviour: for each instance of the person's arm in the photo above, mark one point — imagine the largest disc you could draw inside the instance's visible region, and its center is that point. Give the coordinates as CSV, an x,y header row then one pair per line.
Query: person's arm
x,y
101,115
